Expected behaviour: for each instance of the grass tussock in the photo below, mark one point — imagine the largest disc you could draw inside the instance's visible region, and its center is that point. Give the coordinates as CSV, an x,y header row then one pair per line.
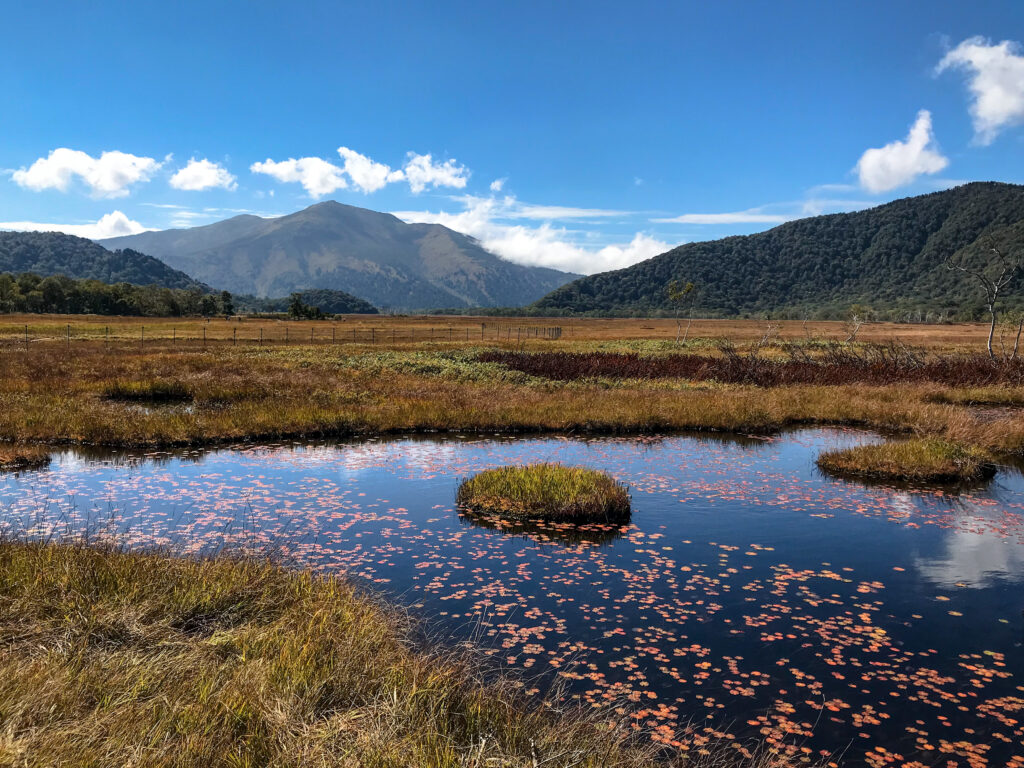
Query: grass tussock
x,y
110,658
14,458
546,492
917,460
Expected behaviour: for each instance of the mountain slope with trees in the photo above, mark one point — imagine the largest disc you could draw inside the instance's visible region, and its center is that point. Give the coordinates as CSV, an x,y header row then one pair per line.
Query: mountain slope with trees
x,y
54,253
372,255
889,259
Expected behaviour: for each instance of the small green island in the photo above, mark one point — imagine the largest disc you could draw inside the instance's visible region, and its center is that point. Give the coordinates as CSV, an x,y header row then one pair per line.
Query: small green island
x,y
926,460
547,491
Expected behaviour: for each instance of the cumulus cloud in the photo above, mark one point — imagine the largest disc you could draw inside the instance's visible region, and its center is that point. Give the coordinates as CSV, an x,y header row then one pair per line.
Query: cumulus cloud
x,y
421,172
109,175
900,162
114,224
491,221
318,177
996,83
498,184
366,175
203,174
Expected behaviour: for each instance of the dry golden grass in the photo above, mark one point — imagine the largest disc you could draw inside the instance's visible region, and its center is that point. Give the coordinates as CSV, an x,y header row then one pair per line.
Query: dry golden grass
x,y
112,659
390,330
919,460
229,394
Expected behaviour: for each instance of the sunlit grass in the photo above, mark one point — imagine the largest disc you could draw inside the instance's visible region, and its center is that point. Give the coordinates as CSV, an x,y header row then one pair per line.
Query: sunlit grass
x,y
922,460
547,492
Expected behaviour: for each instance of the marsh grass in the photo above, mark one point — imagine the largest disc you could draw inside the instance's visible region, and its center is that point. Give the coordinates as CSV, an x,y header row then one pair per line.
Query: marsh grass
x,y
918,460
546,492
150,391
14,458
115,658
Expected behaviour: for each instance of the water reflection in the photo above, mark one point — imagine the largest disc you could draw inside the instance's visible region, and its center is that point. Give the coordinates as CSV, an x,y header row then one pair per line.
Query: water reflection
x,y
822,614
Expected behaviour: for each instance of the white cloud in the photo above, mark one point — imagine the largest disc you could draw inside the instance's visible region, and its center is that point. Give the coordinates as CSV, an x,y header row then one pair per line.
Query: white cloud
x,y
109,175
114,224
421,172
546,245
203,174
366,175
751,216
900,162
996,82
498,184
317,177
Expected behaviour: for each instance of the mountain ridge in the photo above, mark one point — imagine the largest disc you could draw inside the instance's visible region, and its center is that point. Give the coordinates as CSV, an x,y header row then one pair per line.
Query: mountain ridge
x,y
887,257
373,255
55,253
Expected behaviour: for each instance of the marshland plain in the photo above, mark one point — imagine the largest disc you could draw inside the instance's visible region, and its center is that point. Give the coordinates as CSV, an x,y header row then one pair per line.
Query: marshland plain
x,y
753,610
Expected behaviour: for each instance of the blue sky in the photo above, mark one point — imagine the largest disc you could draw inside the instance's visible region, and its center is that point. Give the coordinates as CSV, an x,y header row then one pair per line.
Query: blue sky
x,y
580,135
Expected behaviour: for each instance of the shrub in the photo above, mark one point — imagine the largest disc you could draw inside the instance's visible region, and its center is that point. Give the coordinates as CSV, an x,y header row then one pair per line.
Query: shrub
x,y
546,492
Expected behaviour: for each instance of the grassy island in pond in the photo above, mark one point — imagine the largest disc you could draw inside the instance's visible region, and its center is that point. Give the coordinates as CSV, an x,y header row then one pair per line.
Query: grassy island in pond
x,y
920,460
547,492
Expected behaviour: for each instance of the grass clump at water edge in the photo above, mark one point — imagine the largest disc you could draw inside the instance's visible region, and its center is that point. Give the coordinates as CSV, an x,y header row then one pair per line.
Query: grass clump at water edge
x,y
14,458
918,460
546,492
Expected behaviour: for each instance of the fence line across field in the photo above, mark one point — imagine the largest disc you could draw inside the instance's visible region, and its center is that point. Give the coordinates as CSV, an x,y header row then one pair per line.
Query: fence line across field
x,y
259,336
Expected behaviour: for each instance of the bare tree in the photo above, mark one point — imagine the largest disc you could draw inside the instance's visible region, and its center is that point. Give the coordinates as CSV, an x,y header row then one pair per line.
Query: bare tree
x,y
680,294
994,275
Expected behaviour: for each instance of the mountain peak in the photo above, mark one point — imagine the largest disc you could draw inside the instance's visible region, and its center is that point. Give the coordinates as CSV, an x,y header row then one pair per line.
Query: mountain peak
x,y
330,245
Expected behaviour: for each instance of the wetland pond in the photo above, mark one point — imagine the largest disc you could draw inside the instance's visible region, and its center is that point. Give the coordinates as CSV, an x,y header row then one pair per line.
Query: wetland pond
x,y
749,594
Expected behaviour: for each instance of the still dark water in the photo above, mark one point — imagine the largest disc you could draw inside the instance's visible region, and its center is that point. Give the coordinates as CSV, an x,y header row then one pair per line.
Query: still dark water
x,y
749,595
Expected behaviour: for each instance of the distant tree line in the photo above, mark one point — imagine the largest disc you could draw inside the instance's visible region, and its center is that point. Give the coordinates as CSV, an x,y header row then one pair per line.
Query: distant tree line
x,y
57,294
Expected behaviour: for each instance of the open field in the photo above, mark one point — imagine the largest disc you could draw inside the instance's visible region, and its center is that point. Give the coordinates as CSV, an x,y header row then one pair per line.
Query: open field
x,y
419,329
165,390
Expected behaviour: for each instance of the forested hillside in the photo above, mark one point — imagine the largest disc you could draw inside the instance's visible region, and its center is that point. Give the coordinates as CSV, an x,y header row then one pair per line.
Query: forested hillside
x,y
327,301
29,292
889,259
54,253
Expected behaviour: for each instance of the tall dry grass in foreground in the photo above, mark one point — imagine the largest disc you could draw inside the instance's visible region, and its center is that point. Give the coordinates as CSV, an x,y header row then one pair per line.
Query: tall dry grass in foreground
x,y
112,658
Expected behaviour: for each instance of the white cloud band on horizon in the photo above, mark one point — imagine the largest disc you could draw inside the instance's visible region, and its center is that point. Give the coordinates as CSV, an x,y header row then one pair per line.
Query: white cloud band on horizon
x,y
900,162
751,216
996,83
109,175
113,224
199,175
543,246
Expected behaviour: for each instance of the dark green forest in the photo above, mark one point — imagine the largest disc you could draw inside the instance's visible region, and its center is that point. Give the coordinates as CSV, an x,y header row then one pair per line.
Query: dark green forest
x,y
28,292
887,260
328,302
53,253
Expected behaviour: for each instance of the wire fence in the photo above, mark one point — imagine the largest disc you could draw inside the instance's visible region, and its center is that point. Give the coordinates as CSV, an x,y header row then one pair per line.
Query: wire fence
x,y
258,335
